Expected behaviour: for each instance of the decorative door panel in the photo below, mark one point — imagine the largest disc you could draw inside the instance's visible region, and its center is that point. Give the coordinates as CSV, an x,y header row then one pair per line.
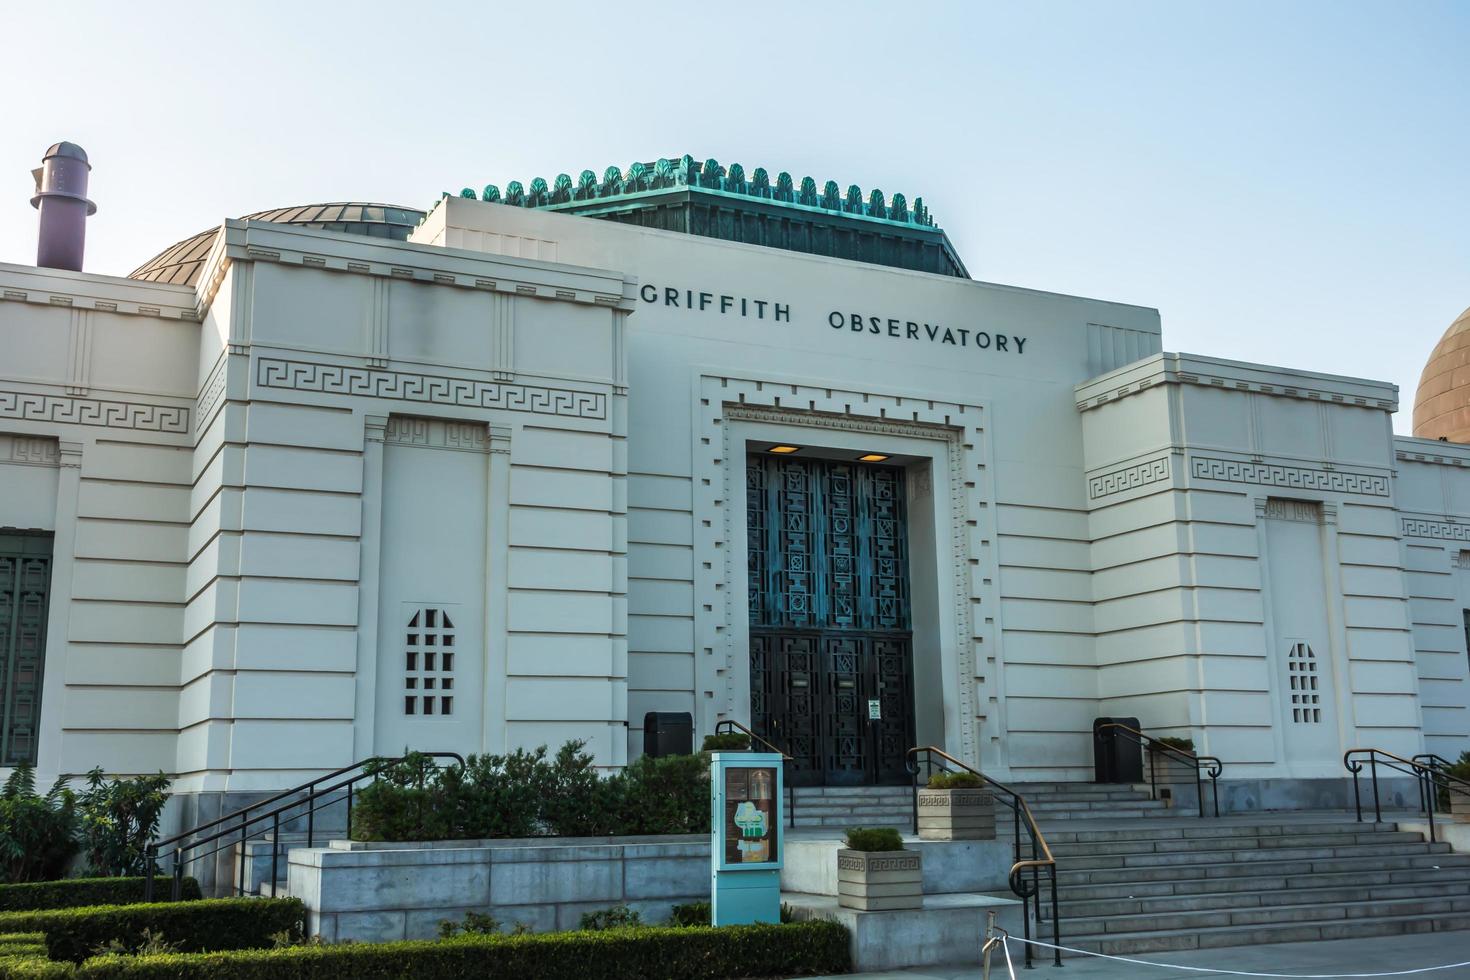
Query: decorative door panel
x,y
830,640
25,583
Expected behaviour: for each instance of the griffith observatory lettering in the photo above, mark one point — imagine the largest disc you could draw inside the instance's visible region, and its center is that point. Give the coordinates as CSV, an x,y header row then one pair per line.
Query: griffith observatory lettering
x,y
898,328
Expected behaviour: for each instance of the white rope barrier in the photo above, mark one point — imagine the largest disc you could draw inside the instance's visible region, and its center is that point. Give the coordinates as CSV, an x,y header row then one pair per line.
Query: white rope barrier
x,y
1228,973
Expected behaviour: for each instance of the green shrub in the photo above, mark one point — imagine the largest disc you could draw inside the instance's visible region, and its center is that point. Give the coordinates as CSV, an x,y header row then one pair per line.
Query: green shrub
x,y
37,833
955,780
691,914
76,892
728,742
617,917
874,839
525,794
667,795
801,949
118,818
477,924
208,924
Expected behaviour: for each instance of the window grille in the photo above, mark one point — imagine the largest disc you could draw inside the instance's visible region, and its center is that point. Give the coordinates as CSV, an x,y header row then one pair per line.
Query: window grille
x,y
25,583
1301,668
428,681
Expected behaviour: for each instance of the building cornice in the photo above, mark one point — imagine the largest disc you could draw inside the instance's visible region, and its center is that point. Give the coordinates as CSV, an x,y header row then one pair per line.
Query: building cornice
x,y
1235,376
89,291
1409,450
263,241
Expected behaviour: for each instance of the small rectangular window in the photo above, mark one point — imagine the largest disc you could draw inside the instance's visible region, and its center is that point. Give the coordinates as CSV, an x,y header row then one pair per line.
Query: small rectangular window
x,y
408,704
447,705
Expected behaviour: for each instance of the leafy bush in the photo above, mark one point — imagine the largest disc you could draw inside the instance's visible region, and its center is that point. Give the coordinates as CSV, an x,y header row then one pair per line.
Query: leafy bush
x,y
728,742
801,949
208,924
617,917
691,914
525,794
37,833
118,819
874,839
955,780
478,924
667,795
76,892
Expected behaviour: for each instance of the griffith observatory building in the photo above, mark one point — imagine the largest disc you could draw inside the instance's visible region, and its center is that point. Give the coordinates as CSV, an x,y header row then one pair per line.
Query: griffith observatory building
x,y
329,481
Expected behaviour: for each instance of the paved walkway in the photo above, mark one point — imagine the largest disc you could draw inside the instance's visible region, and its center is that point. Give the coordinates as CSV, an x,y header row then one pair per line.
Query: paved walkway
x,y
1343,958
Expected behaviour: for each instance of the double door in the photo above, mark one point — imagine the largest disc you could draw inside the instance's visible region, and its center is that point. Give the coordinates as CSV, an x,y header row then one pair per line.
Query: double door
x,y
831,673
839,703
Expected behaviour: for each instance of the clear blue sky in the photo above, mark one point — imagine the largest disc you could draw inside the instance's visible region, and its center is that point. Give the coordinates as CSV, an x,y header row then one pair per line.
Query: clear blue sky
x,y
1285,181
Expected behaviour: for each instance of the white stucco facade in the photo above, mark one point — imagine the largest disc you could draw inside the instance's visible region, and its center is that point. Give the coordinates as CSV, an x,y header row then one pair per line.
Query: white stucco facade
x,y
272,497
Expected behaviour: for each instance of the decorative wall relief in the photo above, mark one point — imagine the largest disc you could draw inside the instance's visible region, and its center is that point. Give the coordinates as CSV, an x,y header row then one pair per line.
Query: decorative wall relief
x,y
431,389
33,406
1299,477
1128,478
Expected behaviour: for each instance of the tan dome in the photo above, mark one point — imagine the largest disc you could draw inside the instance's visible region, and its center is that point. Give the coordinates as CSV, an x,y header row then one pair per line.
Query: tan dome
x,y
1442,406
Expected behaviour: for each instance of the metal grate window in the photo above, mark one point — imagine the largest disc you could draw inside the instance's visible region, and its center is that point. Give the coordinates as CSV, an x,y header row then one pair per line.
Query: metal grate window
x,y
25,582
1301,668
428,655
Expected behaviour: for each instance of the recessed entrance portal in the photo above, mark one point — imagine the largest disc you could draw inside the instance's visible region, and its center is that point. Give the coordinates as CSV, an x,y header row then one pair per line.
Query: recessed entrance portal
x,y
831,643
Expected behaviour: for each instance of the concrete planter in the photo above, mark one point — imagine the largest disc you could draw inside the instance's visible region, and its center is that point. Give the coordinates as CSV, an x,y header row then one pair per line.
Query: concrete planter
x,y
966,813
880,881
1460,806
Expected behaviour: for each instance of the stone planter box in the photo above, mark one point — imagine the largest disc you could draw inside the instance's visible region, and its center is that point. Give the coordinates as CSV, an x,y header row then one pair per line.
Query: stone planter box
x,y
1460,806
956,814
880,881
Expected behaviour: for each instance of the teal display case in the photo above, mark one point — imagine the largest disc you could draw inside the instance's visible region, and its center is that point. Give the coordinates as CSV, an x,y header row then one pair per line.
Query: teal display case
x,y
747,840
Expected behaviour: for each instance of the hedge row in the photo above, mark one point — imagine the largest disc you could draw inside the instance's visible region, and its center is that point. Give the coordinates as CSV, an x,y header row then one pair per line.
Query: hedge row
x,y
798,949
208,924
70,893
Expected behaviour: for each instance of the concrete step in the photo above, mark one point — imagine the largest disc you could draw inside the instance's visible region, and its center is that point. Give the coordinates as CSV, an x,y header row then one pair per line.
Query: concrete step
x,y
1267,916
1158,941
1246,855
1205,829
1266,842
1295,892
1274,882
1360,866
278,889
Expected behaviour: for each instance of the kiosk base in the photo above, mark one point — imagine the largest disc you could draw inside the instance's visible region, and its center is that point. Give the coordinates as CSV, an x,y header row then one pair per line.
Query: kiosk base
x,y
740,898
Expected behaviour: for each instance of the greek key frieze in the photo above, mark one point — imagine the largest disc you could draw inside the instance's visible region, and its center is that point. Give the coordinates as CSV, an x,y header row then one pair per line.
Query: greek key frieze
x,y
955,799
1415,527
430,389
72,410
899,862
1295,477
1128,477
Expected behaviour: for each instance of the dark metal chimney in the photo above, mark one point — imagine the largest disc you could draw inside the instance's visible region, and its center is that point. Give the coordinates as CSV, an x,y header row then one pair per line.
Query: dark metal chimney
x,y
61,196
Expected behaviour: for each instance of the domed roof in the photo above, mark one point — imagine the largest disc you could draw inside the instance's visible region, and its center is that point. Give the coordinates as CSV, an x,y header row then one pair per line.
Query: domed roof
x,y
1442,406
180,263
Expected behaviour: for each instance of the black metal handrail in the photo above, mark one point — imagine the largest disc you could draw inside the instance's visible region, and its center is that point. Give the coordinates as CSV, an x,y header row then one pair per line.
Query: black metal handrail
x,y
926,760
1433,761
729,727
1430,779
236,825
1202,765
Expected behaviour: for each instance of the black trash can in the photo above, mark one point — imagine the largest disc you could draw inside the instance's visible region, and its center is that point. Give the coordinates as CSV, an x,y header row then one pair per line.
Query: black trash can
x,y
1116,757
668,733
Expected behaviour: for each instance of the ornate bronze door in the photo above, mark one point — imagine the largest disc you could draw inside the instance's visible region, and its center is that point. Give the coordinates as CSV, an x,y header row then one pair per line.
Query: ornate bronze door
x,y
830,639
25,582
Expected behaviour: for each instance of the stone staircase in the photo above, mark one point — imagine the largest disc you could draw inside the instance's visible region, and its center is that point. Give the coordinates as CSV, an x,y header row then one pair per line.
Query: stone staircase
x,y
840,807
1192,884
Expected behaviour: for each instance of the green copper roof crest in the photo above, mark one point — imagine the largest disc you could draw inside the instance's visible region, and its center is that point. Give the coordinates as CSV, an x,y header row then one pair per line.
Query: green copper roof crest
x,y
710,175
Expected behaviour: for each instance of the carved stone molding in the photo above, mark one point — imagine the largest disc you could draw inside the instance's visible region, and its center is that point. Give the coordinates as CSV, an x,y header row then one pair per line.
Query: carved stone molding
x,y
211,393
720,585
1418,527
405,430
30,451
892,861
1128,478
32,406
1283,509
430,389
1296,477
